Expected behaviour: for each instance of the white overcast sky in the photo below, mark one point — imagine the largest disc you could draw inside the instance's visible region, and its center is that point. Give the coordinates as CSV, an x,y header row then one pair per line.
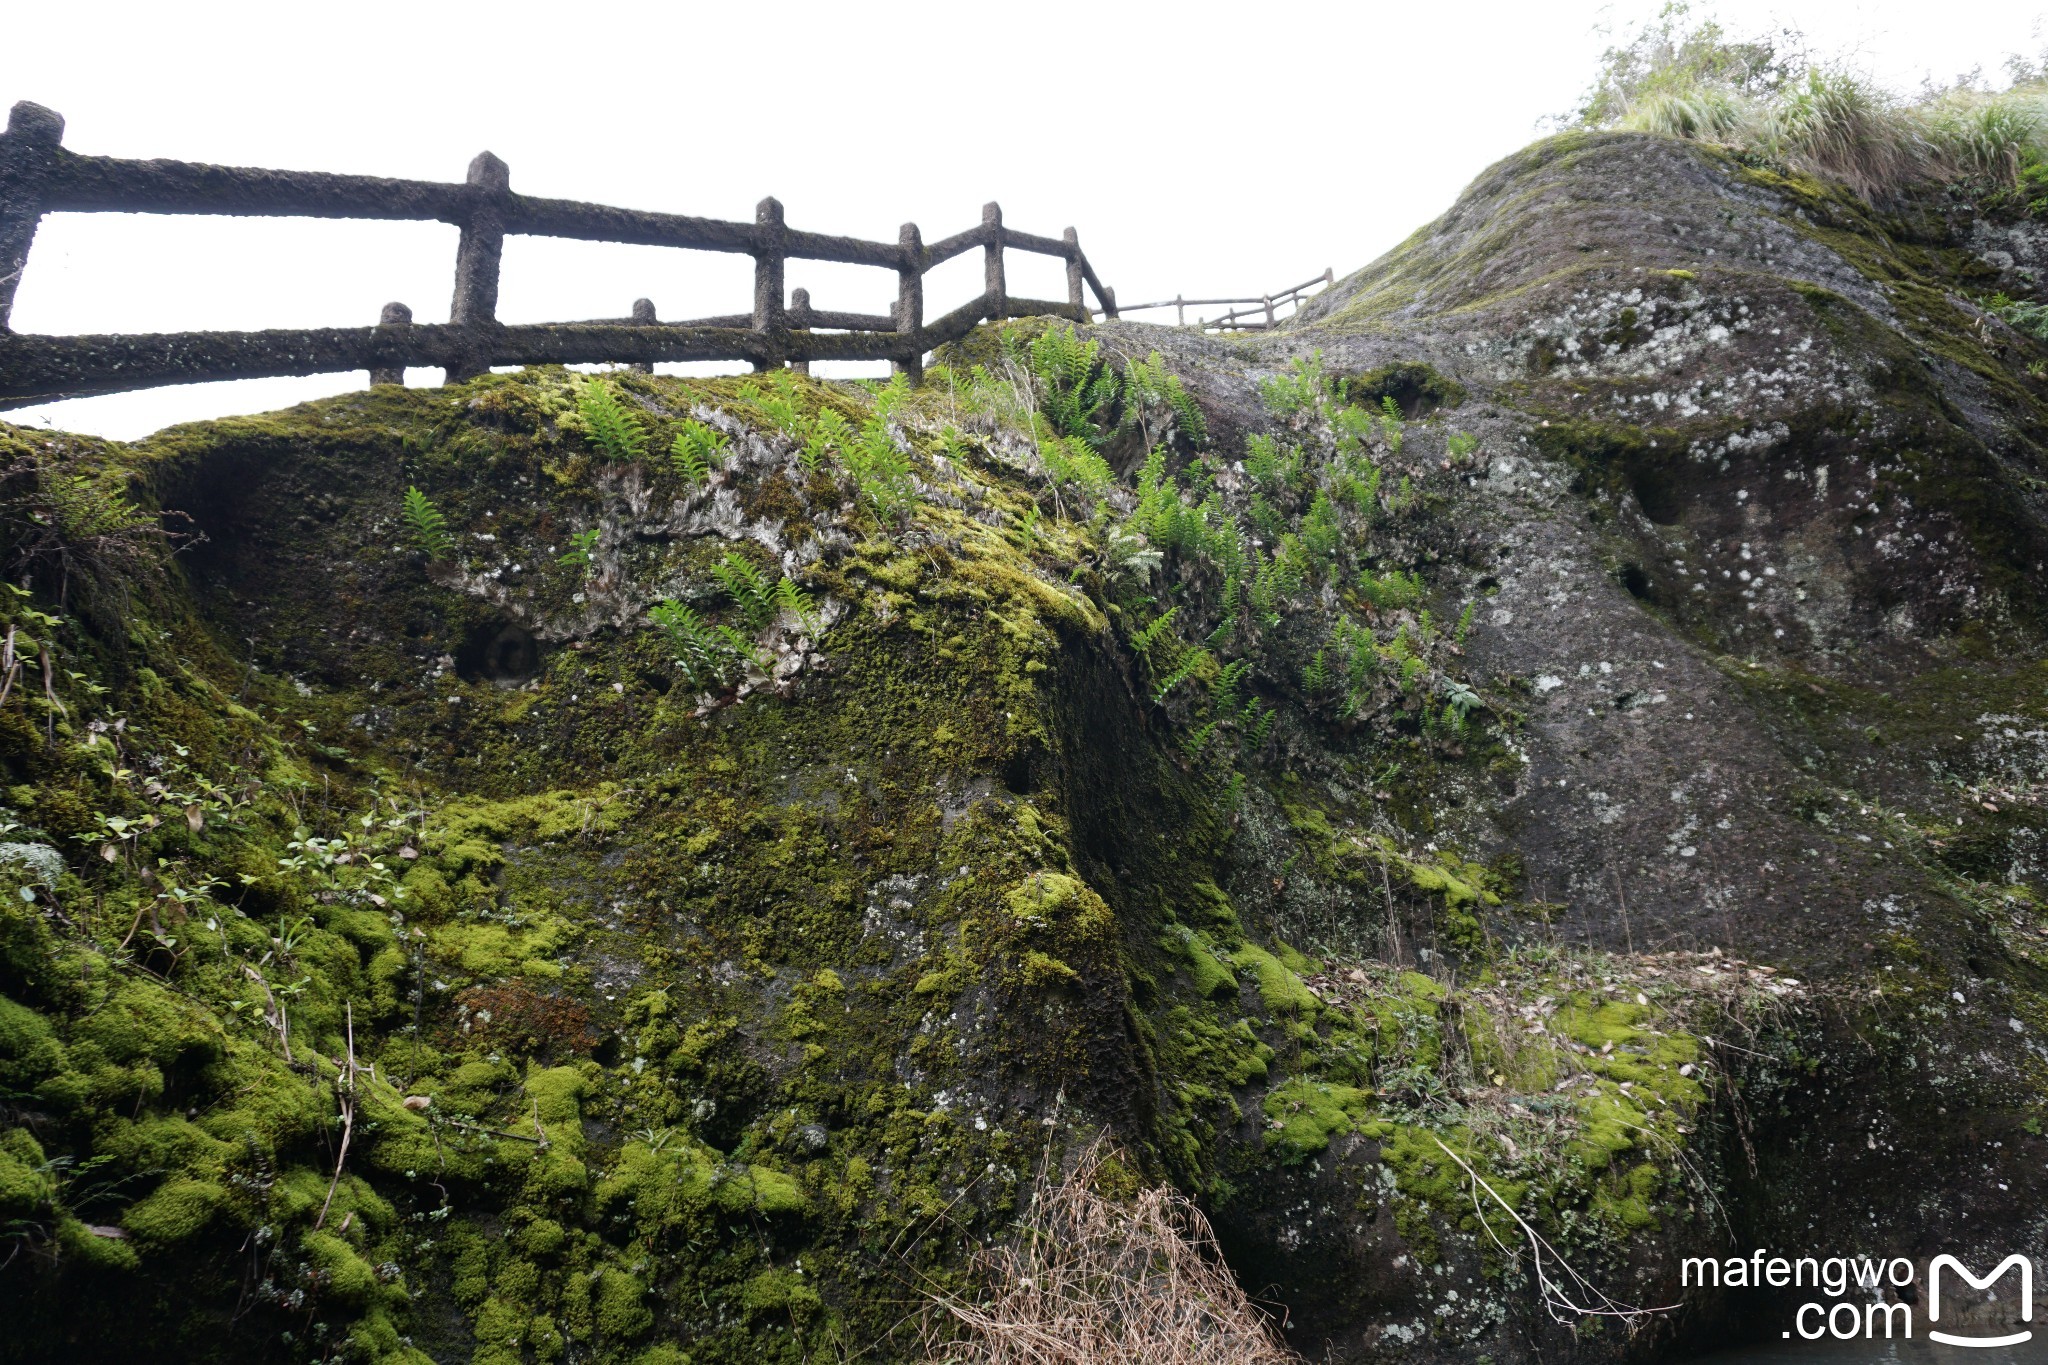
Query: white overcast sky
x,y
1201,149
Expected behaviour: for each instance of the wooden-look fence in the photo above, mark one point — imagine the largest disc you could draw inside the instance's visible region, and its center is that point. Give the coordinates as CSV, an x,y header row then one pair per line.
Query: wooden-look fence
x,y
1262,318
38,175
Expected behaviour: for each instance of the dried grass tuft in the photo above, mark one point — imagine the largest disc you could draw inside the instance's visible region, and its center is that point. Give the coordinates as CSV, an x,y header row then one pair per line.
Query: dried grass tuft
x,y
1090,1280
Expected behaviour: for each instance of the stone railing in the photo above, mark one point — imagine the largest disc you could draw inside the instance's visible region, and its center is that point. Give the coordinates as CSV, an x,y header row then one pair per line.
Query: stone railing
x,y
38,175
1259,319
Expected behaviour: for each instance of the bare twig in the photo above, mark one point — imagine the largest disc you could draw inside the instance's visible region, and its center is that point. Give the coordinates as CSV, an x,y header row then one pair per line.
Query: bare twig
x,y
1556,1301
345,1089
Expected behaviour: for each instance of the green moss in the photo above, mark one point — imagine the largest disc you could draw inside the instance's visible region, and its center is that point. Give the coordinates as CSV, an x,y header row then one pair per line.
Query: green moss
x,y
88,1248
1212,979
620,1306
1281,990
1303,1116
349,1277
1417,389
177,1211
26,1187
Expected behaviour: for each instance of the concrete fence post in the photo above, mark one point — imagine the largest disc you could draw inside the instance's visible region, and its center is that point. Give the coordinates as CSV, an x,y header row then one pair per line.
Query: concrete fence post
x,y
910,301
800,318
477,257
993,288
1073,241
643,316
1269,312
394,317
770,323
1108,302
28,155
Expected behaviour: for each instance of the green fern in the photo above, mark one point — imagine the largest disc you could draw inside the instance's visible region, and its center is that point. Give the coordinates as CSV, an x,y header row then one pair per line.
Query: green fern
x,y
828,434
1148,383
1074,389
1316,676
1223,696
698,449
1072,462
1391,425
1143,640
1302,388
1193,661
429,527
612,429
890,396
1322,531
1260,720
743,648
777,401
794,603
701,652
749,589
582,551
880,471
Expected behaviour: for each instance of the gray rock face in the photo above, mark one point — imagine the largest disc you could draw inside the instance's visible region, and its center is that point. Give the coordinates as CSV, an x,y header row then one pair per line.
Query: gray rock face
x,y
1759,525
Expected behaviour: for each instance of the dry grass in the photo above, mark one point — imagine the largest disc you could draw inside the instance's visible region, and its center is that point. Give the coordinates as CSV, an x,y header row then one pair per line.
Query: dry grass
x,y
1763,95
1091,1280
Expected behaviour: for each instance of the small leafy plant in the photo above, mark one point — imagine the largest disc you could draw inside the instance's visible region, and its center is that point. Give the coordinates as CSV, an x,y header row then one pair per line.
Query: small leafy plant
x,y
698,449
582,549
880,471
429,528
701,651
612,429
749,589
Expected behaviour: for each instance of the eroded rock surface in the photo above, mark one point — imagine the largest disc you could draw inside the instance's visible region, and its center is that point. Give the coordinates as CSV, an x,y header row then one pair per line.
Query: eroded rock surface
x,y
1593,763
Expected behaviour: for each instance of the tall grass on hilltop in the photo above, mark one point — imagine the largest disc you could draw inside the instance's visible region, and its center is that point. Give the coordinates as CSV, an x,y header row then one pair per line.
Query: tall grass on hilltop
x,y
1766,96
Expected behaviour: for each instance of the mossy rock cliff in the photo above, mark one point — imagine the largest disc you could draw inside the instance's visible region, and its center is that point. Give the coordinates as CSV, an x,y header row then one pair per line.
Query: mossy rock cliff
x,y
1559,728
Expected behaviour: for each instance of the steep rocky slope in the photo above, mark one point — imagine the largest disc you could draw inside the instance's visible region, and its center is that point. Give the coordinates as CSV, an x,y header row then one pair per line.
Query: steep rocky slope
x,y
1560,727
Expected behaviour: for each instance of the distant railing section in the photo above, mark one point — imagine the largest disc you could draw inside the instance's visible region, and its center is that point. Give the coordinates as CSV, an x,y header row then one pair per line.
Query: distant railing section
x,y
1262,318
38,176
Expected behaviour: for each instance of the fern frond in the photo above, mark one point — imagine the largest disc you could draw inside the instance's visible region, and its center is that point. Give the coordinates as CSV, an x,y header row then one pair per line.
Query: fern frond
x,y
429,528
1194,660
795,603
1143,640
1223,696
613,429
743,648
698,449
749,589
700,651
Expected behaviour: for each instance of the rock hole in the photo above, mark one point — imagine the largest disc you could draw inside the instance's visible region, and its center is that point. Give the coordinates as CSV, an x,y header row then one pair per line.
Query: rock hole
x,y
1657,493
499,652
1017,775
1637,582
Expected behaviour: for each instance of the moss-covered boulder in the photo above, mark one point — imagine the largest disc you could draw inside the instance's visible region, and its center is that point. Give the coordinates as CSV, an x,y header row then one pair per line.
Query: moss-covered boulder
x,y
1551,741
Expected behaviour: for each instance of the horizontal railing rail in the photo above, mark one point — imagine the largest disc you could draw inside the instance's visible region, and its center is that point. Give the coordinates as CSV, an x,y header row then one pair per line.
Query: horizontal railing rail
x,y
1265,314
39,176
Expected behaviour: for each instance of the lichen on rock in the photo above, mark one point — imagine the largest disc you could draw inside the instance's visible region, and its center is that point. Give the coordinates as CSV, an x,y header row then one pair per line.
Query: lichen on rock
x,y
1556,729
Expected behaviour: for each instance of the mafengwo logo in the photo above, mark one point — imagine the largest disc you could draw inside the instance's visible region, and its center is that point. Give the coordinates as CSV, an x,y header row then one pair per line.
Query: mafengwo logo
x,y
2014,1261
1867,1298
